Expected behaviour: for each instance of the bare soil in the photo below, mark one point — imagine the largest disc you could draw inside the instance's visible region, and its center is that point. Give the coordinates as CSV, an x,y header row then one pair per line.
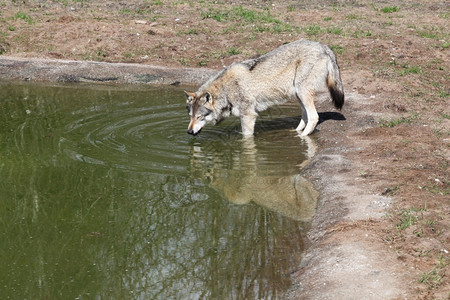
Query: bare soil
x,y
382,226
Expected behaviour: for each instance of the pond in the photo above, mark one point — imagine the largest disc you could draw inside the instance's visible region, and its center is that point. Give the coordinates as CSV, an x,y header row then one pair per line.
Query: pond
x,y
104,195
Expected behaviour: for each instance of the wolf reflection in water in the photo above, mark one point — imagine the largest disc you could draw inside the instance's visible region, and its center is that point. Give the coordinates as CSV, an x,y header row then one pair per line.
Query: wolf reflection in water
x,y
249,179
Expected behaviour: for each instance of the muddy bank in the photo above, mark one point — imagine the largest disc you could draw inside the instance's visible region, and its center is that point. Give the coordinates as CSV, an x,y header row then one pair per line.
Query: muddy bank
x,y
14,68
346,258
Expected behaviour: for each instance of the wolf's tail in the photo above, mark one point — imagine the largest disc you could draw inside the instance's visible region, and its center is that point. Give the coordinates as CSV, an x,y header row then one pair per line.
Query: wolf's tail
x,y
334,84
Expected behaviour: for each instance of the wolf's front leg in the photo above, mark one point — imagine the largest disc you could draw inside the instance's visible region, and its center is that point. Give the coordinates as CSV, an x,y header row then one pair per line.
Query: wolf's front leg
x,y
248,124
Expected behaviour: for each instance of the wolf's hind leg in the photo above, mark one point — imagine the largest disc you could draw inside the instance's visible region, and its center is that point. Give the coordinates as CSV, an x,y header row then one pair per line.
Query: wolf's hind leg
x,y
306,78
309,114
302,123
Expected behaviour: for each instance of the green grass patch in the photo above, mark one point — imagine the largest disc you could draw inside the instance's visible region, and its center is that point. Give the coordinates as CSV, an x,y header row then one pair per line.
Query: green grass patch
x,y
23,16
437,189
432,32
427,34
203,62
215,15
313,30
434,277
128,55
232,51
389,9
248,15
410,70
395,122
335,30
337,49
183,61
362,33
191,31
239,13
125,11
262,21
283,27
444,94
407,219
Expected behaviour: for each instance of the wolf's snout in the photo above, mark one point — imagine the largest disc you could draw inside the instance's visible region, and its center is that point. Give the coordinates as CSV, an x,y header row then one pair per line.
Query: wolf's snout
x,y
191,131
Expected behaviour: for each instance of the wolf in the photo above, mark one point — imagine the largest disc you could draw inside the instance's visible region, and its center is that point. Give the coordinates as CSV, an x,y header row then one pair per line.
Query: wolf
x,y
294,71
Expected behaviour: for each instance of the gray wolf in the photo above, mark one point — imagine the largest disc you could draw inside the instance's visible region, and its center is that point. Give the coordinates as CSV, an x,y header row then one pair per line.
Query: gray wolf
x,y
294,71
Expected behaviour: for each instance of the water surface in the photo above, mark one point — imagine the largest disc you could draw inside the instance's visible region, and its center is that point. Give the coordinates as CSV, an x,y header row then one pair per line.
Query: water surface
x,y
104,195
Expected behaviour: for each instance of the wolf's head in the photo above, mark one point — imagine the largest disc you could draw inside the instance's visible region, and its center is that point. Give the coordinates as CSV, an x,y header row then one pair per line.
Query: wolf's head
x,y
201,111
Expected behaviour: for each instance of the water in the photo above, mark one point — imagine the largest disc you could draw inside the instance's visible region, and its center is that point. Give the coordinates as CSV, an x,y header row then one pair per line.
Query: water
x,y
104,195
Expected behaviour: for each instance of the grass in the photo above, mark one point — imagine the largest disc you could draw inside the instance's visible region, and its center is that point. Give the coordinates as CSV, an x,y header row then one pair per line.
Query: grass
x,y
215,15
335,30
407,219
362,33
433,278
191,31
337,49
445,45
429,34
128,54
239,13
395,122
261,21
23,16
232,51
251,15
410,70
202,63
313,30
389,9
436,189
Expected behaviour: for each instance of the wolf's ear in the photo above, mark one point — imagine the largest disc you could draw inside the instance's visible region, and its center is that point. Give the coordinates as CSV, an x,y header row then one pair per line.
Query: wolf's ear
x,y
207,98
189,96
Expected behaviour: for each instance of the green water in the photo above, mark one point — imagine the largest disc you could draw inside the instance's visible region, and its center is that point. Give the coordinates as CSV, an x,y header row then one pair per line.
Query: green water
x,y
103,195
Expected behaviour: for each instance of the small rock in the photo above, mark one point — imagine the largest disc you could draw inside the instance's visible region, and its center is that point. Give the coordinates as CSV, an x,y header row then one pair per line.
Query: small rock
x,y
386,191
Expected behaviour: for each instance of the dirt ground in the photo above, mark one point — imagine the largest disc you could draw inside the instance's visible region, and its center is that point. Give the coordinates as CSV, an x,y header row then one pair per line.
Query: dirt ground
x,y
382,228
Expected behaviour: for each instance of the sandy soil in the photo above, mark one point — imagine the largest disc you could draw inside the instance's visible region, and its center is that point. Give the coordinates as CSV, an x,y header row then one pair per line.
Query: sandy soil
x,y
382,226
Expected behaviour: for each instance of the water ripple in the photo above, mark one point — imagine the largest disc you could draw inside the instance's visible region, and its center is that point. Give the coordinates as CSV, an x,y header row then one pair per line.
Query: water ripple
x,y
136,138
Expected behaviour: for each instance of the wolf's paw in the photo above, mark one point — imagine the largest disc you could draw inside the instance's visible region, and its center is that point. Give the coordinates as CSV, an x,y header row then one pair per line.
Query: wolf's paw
x,y
307,132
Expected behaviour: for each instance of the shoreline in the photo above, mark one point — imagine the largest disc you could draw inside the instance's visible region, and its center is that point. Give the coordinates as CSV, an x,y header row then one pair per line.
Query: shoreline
x,y
73,71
